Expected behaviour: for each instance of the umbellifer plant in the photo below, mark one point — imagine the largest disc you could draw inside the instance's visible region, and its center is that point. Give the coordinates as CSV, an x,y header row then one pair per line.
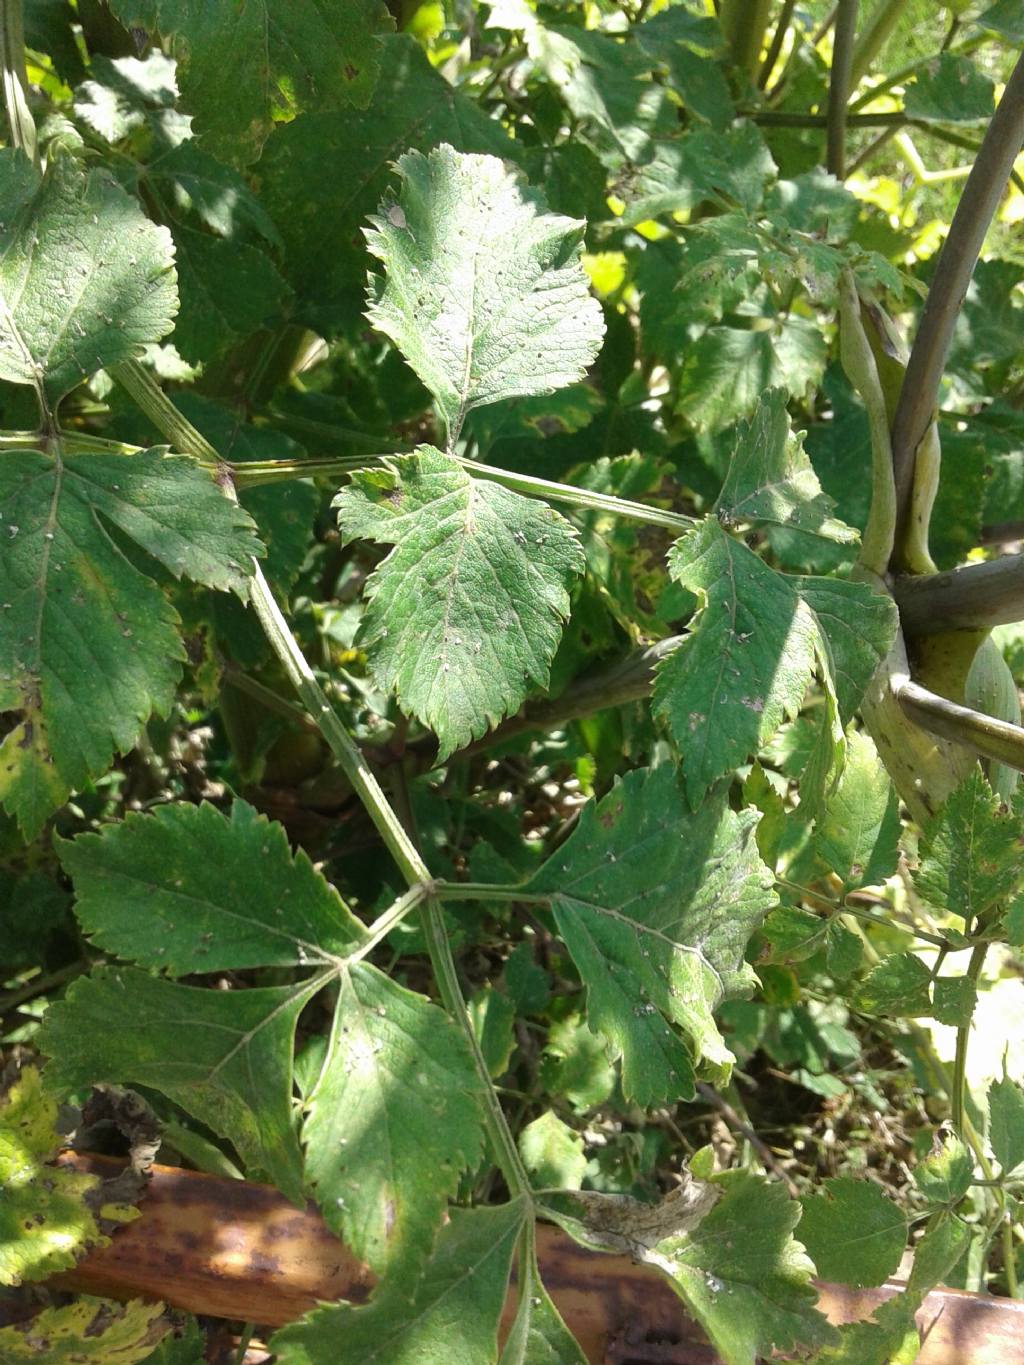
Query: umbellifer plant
x,y
476,586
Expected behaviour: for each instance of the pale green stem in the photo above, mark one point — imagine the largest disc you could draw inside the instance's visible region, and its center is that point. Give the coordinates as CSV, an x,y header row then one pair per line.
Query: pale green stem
x,y
874,37
177,428
12,62
581,497
481,891
958,1098
997,740
744,23
390,919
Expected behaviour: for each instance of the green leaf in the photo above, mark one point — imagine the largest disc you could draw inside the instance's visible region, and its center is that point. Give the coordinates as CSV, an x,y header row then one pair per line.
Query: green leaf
x,y
970,858
857,835
71,598
484,292
413,106
285,56
449,1318
89,1329
493,1016
575,1064
898,986
954,999
723,374
770,480
177,890
859,624
216,193
746,662
46,1224
946,1175
224,1056
1006,1123
492,572
891,1335
726,1247
950,89
723,167
656,904
553,1153
89,281
393,1121
853,1233
183,1345
1004,17
228,291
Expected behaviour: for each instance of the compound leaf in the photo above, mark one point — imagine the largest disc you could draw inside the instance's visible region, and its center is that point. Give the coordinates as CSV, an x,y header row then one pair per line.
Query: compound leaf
x,y
87,280
466,611
450,1318
89,1329
854,1234
187,889
656,904
224,1056
484,293
285,56
392,1123
70,599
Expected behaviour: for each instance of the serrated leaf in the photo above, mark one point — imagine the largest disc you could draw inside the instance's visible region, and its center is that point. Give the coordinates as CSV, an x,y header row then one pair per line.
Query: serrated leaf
x,y
89,1329
484,293
950,89
176,890
726,1247
859,625
86,280
45,1222
770,479
1006,1123
954,999
392,1123
224,1056
449,1318
898,986
286,56
751,1293
856,836
491,572
228,291
746,662
70,599
552,1153
945,1176
575,1064
853,1233
890,1335
970,851
412,106
656,904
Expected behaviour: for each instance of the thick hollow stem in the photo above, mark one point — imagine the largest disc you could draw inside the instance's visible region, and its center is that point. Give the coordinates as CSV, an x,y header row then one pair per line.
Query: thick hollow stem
x,y
983,735
978,203
974,597
839,87
744,23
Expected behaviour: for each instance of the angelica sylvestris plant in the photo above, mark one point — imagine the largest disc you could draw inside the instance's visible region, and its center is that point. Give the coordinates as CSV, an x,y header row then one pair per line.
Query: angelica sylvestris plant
x,y
486,680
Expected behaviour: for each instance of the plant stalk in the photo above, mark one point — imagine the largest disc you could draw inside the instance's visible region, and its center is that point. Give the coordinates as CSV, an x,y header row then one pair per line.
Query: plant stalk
x,y
775,47
979,201
874,37
744,23
839,88
159,408
972,597
993,739
958,1096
